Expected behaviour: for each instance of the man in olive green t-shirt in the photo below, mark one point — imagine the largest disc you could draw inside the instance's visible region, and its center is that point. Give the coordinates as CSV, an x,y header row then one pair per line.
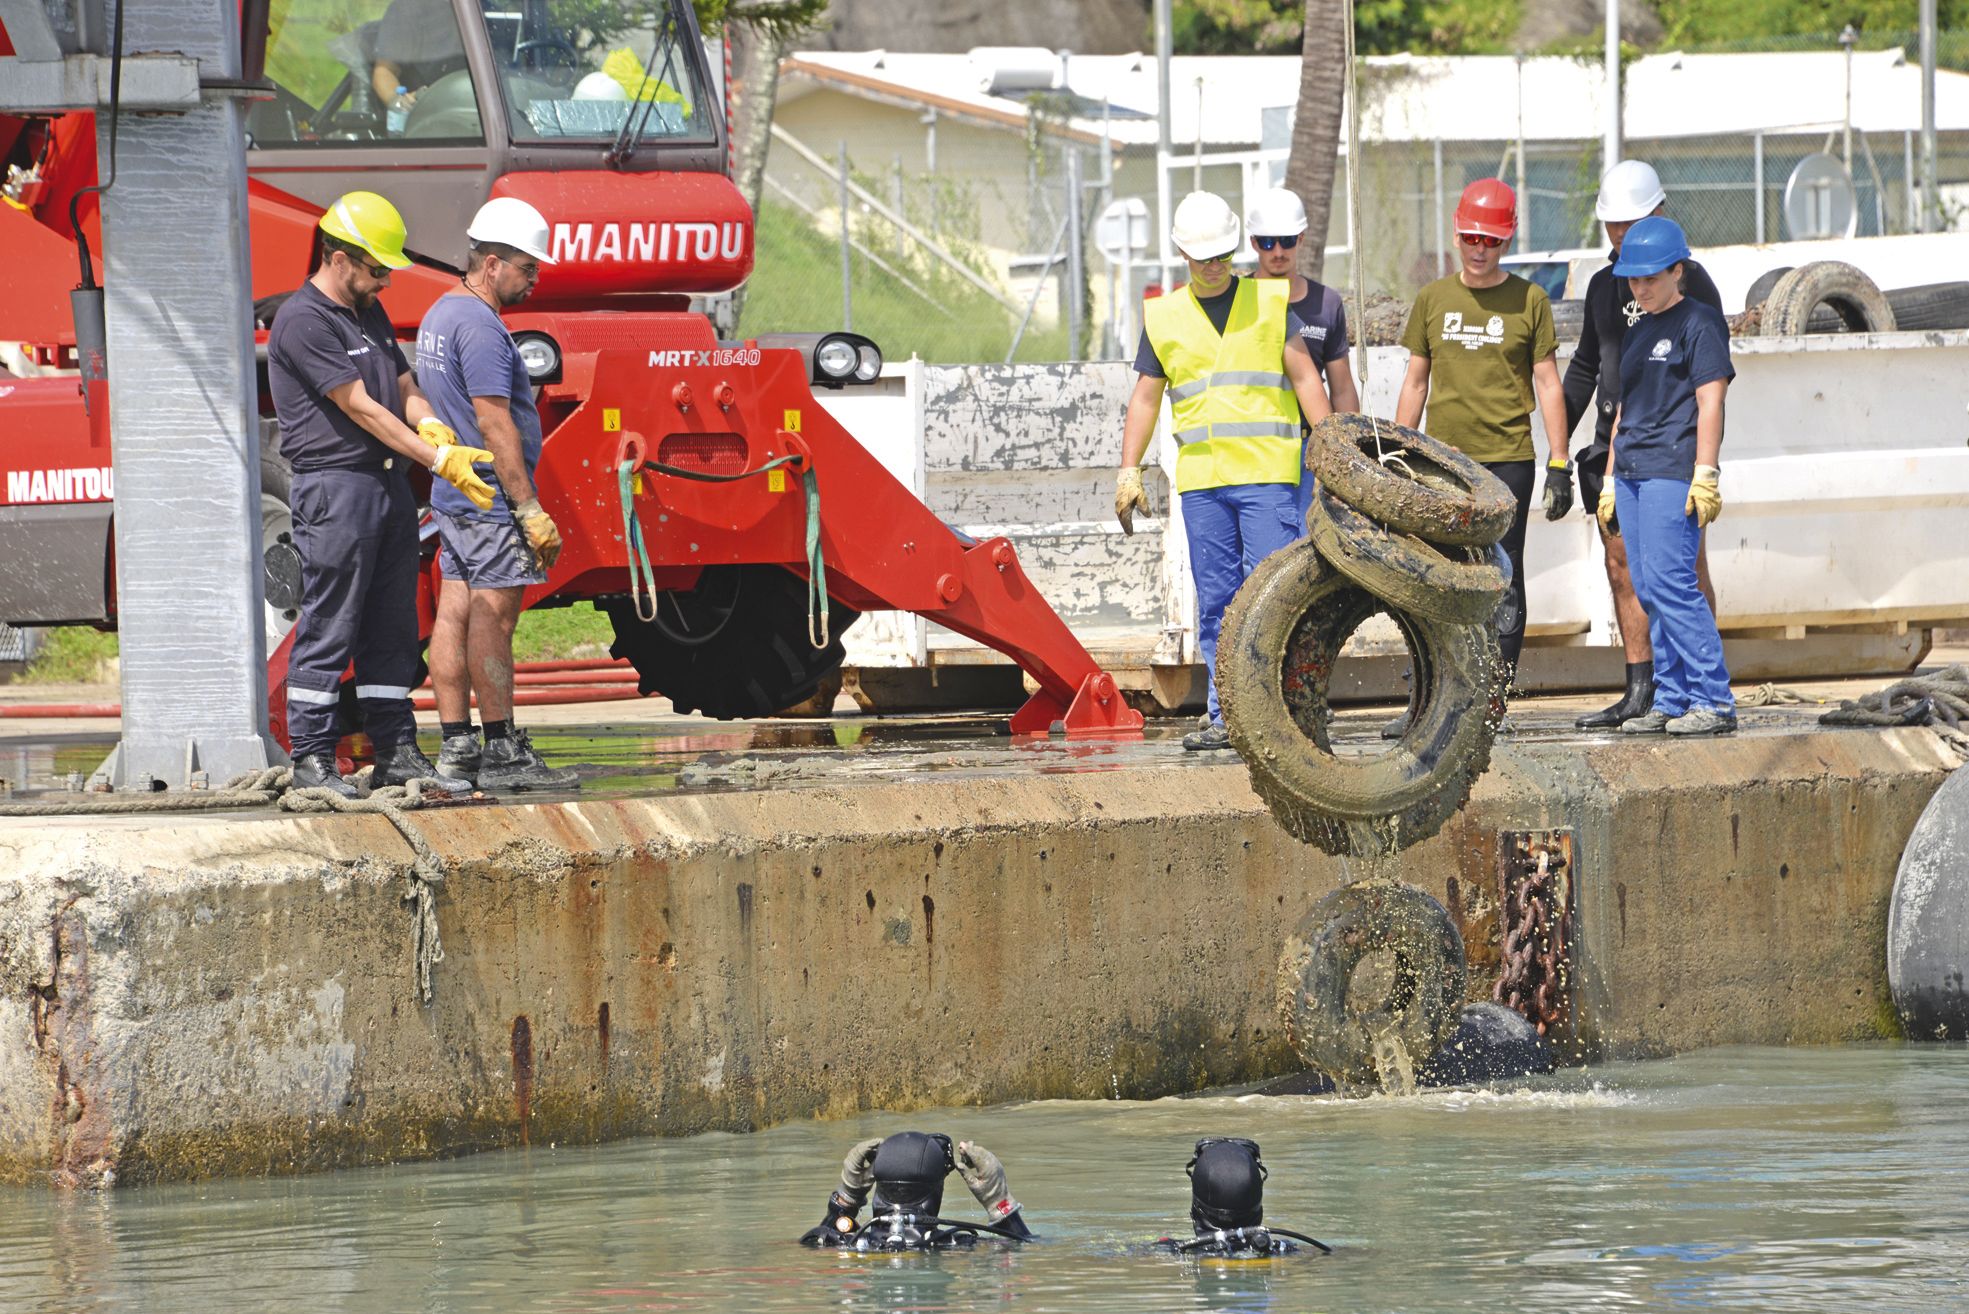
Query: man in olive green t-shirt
x,y
1481,348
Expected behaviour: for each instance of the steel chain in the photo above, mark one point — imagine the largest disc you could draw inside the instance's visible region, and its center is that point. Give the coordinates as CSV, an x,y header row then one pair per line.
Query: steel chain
x,y
1533,977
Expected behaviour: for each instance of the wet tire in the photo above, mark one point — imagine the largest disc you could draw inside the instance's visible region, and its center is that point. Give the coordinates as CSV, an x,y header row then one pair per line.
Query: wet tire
x,y
1928,919
1413,576
1371,983
1282,634
1436,492
1849,293
747,655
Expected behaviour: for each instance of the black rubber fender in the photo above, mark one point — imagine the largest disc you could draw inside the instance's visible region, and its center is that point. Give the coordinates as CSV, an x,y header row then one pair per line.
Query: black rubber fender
x,y
1850,293
1928,920
1490,1043
1375,961
1760,287
1448,584
1282,634
1433,492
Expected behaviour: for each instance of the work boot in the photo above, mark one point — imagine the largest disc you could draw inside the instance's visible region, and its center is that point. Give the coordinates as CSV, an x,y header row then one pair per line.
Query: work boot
x,y
459,757
317,771
1704,721
1640,697
1207,740
1650,722
509,762
399,764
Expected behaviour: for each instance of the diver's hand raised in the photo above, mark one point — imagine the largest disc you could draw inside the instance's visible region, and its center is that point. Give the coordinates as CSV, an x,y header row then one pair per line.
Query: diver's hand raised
x,y
986,1177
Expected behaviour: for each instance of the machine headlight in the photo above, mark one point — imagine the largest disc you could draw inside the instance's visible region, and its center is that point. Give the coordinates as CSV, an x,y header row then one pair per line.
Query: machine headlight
x,y
869,367
835,358
541,355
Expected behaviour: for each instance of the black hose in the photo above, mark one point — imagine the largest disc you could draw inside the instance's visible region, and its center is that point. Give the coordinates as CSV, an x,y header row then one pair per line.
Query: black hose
x,y
115,99
955,1224
1221,1237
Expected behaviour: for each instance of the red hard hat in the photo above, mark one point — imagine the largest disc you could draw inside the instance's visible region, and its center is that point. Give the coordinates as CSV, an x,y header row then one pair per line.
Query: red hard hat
x,y
1488,206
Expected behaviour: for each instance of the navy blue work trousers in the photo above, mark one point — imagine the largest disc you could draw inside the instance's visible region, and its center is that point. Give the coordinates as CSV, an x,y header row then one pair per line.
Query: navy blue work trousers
x,y
356,531
1230,531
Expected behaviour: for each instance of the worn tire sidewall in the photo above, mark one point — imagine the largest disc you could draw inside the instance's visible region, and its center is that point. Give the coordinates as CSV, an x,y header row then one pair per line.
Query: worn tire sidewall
x,y
1402,570
1478,514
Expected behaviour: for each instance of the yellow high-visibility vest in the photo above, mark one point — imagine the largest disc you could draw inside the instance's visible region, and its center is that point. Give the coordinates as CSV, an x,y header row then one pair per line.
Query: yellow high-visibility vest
x,y
1233,412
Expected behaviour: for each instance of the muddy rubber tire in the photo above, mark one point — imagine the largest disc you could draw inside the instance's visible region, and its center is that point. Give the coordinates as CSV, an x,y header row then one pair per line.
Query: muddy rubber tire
x,y
1282,634
1449,584
1453,501
1760,287
757,662
1375,959
1848,292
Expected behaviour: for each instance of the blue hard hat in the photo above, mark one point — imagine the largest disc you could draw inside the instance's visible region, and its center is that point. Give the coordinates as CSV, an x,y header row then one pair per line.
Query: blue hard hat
x,y
1651,245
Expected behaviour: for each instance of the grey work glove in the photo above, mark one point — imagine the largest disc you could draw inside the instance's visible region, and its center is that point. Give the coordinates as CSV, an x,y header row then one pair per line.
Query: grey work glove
x,y
986,1177
858,1170
1130,497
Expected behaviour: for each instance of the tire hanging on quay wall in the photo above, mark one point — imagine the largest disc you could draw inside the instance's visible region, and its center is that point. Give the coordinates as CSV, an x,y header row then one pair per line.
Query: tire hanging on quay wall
x,y
1928,919
1372,978
1428,488
1282,634
1444,584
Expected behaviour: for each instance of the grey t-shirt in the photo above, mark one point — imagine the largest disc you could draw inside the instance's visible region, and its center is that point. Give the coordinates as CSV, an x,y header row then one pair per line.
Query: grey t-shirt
x,y
318,344
464,351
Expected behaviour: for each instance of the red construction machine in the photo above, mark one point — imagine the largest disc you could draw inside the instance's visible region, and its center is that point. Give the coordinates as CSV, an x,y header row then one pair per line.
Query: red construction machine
x,y
727,523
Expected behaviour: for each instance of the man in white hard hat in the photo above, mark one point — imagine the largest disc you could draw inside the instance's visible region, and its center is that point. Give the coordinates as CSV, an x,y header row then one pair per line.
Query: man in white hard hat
x,y
1629,192
472,372
1237,388
1316,316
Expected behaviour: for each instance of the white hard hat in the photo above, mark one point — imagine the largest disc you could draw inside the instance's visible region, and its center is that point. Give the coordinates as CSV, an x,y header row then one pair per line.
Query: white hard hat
x,y
512,222
1278,212
1205,227
1631,190
600,86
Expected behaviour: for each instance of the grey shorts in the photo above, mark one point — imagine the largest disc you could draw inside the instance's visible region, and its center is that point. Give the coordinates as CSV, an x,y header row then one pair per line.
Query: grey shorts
x,y
486,554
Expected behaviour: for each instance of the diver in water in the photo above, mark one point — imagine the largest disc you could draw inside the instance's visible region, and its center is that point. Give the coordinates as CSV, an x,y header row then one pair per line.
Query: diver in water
x,y
1227,1206
906,1173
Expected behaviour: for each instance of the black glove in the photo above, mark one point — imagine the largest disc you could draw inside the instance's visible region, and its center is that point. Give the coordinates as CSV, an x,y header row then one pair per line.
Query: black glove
x,y
1558,488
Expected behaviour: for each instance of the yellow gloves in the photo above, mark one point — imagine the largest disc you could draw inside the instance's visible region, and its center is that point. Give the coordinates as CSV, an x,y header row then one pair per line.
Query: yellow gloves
x,y
1604,511
436,432
542,534
453,464
1130,497
1705,498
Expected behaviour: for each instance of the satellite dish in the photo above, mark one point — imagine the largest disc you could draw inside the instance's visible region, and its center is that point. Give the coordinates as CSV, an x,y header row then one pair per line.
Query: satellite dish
x,y
1820,200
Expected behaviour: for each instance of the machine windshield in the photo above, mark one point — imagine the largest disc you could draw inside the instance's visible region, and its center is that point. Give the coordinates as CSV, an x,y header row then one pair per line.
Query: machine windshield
x,y
355,72
614,71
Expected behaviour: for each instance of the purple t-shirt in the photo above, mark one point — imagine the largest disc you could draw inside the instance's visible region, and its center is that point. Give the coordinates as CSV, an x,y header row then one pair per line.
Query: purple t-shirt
x,y
317,344
1320,319
464,351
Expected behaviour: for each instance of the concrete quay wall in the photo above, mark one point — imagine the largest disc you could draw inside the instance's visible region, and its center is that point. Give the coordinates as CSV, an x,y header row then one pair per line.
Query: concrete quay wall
x,y
217,996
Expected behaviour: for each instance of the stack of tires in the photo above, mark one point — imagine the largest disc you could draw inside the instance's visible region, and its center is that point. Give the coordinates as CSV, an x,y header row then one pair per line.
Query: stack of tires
x,y
1400,524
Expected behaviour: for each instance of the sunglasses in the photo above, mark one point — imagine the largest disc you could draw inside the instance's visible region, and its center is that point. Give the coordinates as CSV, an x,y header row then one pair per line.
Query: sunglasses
x,y
1480,239
1281,243
374,271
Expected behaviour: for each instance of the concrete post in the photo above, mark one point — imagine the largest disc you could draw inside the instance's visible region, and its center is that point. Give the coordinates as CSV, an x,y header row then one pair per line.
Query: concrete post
x,y
185,431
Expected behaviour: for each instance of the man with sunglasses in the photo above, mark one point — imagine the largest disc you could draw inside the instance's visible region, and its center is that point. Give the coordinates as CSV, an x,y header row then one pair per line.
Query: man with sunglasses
x,y
1237,387
1316,316
492,552
1630,192
1481,347
346,401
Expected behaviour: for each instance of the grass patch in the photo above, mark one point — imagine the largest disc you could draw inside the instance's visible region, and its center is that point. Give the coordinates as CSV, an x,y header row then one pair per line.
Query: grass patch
x,y
71,654
559,633
796,288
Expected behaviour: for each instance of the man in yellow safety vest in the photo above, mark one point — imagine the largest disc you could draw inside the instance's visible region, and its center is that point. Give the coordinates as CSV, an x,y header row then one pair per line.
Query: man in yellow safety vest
x,y
1237,388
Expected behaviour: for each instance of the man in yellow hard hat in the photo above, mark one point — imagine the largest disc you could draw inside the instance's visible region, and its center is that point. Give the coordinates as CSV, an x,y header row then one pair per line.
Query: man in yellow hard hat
x,y
1238,383
346,400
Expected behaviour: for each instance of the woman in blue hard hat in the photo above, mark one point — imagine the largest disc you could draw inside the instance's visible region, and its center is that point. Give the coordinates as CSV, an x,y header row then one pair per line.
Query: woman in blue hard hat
x,y
1662,477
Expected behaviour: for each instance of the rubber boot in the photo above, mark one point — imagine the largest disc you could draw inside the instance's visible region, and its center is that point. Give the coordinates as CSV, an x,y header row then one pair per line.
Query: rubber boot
x,y
1640,696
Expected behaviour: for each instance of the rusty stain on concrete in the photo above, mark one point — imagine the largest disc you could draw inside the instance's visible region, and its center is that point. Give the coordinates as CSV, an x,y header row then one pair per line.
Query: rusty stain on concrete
x,y
522,1049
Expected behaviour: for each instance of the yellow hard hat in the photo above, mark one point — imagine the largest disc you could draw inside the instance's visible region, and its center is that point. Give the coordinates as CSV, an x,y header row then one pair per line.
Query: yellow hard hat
x,y
366,220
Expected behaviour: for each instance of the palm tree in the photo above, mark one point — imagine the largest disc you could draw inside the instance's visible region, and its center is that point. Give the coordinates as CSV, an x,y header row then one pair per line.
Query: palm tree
x,y
1316,128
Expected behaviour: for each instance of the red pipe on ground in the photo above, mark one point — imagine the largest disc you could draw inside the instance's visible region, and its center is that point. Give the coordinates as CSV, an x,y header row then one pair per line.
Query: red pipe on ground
x,y
51,711
574,664
548,696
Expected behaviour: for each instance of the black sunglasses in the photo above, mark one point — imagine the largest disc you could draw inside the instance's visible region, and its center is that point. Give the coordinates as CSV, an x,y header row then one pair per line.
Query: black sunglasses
x,y
1283,243
374,271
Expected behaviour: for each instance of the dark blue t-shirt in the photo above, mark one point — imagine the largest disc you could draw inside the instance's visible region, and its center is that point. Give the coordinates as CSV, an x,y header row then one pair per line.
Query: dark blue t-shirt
x,y
318,344
464,351
1320,320
1663,360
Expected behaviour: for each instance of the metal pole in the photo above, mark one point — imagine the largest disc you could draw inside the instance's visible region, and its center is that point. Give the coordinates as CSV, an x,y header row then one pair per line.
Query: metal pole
x,y
1613,84
847,255
1076,256
1442,217
1931,209
930,161
1757,163
1910,212
1847,38
1165,207
1196,180
1524,196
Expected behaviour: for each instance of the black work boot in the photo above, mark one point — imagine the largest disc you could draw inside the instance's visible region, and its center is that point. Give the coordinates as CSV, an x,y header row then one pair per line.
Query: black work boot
x,y
509,762
399,764
317,771
459,758
1212,738
1640,696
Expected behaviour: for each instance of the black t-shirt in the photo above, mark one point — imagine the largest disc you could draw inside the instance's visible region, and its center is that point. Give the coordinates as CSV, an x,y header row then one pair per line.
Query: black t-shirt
x,y
318,344
1218,308
1595,366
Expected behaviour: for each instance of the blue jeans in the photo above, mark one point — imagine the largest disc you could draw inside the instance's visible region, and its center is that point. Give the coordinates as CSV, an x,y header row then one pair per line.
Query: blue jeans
x,y
1662,542
1230,531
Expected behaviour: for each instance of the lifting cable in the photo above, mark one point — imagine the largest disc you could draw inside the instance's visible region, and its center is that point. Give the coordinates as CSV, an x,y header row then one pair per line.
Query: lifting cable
x,y
1356,273
641,575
